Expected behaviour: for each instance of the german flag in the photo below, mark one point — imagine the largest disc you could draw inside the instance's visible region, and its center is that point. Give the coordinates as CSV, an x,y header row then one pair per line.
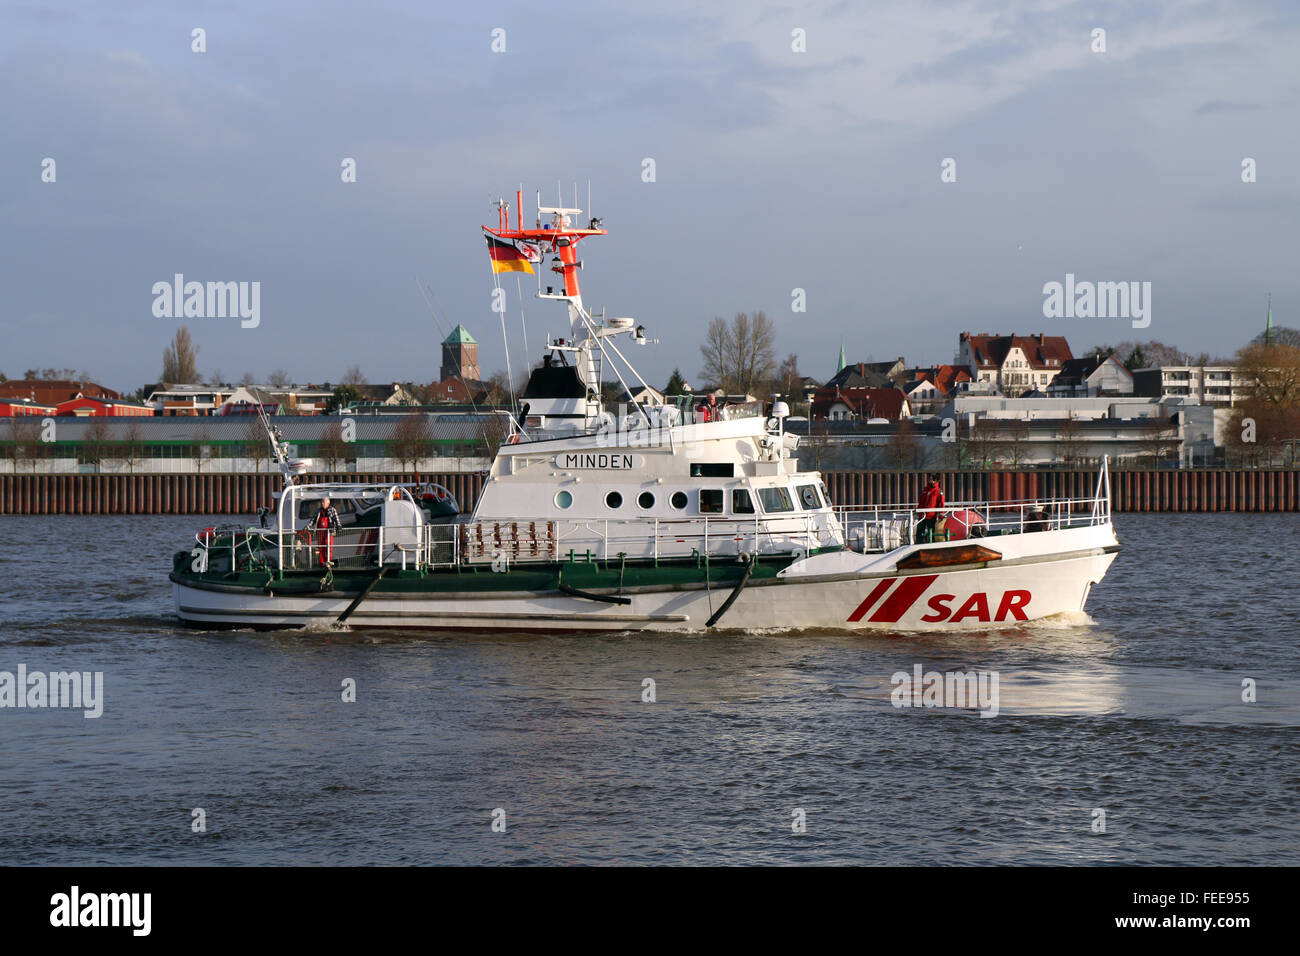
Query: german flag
x,y
506,257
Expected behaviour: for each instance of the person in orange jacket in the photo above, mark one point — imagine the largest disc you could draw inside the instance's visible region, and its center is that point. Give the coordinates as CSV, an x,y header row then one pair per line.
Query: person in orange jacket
x,y
930,506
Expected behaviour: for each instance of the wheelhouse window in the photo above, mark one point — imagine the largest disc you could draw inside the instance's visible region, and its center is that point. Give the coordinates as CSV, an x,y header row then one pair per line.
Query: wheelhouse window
x,y
741,503
775,499
710,501
809,500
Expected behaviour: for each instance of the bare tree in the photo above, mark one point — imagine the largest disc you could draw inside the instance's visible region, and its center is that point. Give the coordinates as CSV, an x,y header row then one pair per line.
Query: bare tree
x,y
412,440
788,380
1274,371
1157,439
132,445
331,448
95,442
257,446
25,441
817,444
492,431
1017,445
279,378
353,376
500,388
57,374
739,356
1069,440
1258,432
984,442
902,447
201,447
180,359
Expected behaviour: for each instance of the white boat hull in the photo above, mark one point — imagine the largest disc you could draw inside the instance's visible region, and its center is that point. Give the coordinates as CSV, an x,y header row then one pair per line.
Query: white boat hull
x,y
1040,576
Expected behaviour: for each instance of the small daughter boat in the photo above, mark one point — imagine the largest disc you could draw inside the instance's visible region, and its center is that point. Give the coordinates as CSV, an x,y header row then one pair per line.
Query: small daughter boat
x,y
657,518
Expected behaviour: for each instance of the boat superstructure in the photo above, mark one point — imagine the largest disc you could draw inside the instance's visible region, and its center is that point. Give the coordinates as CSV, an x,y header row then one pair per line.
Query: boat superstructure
x,y
650,516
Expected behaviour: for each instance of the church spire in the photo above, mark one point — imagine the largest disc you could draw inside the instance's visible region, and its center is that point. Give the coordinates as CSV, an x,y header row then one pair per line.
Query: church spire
x,y
839,368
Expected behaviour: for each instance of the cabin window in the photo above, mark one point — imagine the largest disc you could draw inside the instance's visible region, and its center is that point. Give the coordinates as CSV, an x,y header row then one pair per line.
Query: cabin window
x,y
710,501
713,469
808,497
678,500
775,499
563,499
309,508
645,500
741,503
613,500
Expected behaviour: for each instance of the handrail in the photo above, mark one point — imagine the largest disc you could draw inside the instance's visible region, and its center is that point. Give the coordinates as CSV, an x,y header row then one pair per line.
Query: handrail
x,y
882,527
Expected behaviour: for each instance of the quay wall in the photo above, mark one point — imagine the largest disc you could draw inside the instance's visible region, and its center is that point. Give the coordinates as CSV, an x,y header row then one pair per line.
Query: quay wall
x,y
1183,490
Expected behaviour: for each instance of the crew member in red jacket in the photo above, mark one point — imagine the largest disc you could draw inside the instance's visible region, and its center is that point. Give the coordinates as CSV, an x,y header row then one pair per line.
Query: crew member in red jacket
x,y
930,506
325,525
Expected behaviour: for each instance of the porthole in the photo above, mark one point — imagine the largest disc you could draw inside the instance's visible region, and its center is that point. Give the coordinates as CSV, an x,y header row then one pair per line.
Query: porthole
x,y
678,500
563,499
645,500
613,500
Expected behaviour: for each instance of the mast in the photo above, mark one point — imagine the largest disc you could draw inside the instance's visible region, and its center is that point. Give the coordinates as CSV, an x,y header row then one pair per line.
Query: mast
x,y
556,236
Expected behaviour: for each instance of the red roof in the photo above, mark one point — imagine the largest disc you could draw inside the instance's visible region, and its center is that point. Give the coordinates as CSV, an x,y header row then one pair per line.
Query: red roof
x,y
863,402
1041,351
944,377
49,391
457,390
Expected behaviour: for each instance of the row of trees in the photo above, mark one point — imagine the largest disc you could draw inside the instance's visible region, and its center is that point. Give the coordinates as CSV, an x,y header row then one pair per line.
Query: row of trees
x,y
411,441
992,443
1152,354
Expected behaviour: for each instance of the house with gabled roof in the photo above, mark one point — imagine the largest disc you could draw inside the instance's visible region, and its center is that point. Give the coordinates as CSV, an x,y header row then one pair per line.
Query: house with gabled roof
x,y
868,375
1013,364
832,403
927,388
1091,376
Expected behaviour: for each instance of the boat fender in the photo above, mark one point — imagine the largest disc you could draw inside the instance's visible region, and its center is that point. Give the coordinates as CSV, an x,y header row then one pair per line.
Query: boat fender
x,y
365,592
735,592
606,598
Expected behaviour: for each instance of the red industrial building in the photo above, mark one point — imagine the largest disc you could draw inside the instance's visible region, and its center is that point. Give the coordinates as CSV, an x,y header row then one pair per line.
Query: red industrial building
x,y
13,407
102,408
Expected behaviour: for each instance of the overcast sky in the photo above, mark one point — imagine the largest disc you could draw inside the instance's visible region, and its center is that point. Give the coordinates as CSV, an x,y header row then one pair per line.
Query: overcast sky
x,y
775,170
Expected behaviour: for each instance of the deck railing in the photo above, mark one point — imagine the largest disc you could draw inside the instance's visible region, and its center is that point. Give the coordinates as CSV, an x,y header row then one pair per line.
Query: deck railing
x,y
874,529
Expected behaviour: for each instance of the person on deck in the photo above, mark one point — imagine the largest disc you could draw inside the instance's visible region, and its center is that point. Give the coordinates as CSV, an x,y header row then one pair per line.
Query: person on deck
x,y
708,410
929,507
324,526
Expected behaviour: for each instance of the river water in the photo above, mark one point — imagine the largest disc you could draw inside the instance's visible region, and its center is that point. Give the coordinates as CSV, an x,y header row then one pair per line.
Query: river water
x,y
1132,718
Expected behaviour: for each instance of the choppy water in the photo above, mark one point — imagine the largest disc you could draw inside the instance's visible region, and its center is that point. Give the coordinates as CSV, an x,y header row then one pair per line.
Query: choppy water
x,y
1137,712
